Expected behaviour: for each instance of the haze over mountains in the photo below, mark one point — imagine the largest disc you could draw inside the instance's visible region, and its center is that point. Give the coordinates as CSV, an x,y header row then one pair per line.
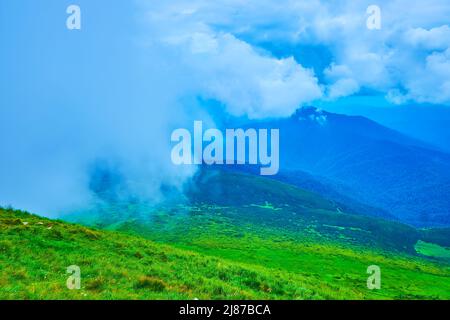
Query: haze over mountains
x,y
367,168
367,162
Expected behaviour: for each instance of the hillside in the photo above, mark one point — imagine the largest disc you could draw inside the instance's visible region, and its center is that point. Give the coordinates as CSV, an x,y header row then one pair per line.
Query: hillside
x,y
260,203
274,225
366,162
35,252
321,187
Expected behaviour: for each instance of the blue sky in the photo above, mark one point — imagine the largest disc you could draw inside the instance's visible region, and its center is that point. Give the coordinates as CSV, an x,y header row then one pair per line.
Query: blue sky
x,y
137,69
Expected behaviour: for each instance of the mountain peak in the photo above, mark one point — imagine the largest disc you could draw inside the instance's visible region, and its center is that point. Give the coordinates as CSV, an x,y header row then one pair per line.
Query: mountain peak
x,y
312,114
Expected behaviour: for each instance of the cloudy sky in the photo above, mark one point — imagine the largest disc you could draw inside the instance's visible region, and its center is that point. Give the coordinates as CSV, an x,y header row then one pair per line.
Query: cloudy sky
x,y
265,58
115,89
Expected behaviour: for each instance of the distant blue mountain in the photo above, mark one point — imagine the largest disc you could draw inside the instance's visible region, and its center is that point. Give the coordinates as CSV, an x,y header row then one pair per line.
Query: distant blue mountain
x,y
366,161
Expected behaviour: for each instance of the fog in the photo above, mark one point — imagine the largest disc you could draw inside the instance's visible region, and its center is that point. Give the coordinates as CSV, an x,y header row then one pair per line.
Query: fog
x,y
73,103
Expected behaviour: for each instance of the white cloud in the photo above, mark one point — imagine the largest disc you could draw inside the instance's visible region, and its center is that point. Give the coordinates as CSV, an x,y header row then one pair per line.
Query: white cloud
x,y
341,81
433,39
233,32
343,87
245,79
432,81
249,82
396,97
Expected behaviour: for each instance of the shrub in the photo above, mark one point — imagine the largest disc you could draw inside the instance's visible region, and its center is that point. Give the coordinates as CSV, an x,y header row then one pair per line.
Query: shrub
x,y
151,283
95,285
5,245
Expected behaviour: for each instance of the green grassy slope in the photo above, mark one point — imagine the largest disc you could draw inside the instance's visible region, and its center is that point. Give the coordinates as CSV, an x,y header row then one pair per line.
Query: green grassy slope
x,y
268,224
35,252
256,202
404,275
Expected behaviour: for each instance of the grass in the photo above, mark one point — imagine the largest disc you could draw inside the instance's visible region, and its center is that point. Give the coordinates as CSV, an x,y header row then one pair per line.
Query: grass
x,y
261,240
35,252
433,250
267,224
403,275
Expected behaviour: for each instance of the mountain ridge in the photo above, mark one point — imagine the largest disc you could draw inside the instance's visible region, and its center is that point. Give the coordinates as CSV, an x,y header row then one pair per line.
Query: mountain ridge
x,y
367,162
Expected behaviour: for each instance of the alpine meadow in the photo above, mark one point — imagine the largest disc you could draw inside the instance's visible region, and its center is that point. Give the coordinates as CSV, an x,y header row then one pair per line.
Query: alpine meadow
x,y
224,158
